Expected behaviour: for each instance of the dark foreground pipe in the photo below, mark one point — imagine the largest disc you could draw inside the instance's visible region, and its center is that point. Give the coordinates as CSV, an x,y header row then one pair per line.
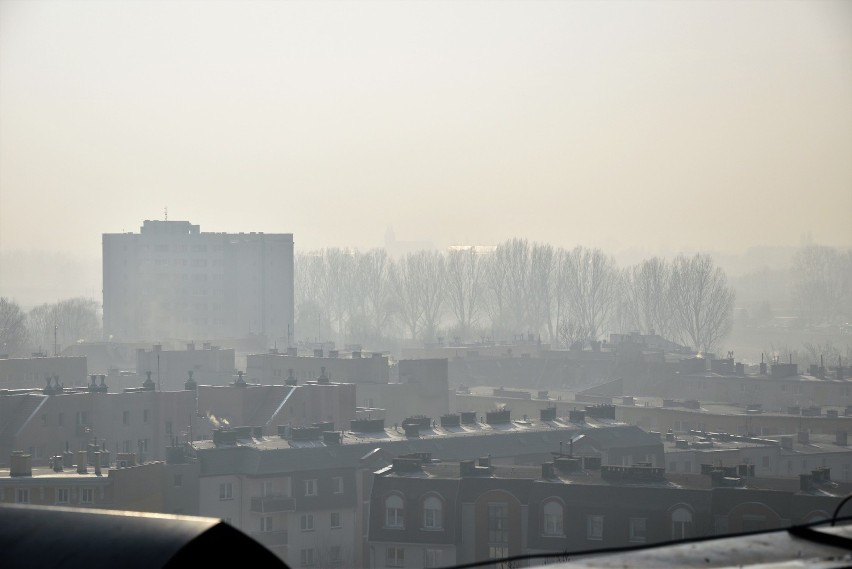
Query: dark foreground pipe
x,y
49,537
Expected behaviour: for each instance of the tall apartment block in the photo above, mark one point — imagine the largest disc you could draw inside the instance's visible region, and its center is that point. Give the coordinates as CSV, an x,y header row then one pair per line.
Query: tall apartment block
x,y
172,281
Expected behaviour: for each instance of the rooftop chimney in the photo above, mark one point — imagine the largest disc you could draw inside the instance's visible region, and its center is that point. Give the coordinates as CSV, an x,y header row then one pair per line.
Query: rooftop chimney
x,y
82,462
148,384
20,464
190,384
291,377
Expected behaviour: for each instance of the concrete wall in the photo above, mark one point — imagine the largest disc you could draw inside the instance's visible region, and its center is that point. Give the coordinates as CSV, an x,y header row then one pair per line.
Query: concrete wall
x,y
274,368
143,422
22,373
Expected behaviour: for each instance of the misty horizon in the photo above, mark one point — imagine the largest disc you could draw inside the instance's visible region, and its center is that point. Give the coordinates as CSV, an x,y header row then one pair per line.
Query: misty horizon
x,y
647,126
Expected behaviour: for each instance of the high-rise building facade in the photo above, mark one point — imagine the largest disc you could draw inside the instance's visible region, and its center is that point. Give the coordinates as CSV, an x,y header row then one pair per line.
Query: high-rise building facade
x,y
172,281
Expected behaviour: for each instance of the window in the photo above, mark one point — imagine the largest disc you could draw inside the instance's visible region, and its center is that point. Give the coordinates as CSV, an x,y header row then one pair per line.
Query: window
x,y
22,496
395,557
226,491
311,487
637,530
433,558
553,516
266,523
125,446
337,484
432,518
681,523
87,496
498,526
594,527
306,557
63,495
394,512
307,522
335,520
125,417
334,557
143,445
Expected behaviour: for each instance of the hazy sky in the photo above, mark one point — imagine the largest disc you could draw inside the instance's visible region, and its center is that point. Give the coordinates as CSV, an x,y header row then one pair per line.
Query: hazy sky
x,y
620,124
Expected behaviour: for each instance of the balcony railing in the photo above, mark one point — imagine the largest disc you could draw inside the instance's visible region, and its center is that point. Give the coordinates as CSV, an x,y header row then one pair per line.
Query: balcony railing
x,y
271,504
270,538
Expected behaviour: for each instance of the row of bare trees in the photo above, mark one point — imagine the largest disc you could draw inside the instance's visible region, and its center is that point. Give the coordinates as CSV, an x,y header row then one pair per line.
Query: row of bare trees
x,y
44,326
822,284
565,296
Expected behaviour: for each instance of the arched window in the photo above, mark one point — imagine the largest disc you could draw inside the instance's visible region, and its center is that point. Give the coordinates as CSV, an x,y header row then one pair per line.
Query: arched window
x,y
681,523
432,518
553,515
394,512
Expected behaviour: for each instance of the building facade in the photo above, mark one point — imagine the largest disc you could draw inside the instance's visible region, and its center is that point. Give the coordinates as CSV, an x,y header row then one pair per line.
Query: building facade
x,y
171,280
427,514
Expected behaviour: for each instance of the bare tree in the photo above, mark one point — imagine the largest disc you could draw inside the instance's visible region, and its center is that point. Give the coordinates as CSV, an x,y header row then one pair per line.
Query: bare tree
x,y
13,328
66,322
826,354
647,296
496,284
375,270
335,290
309,274
822,287
592,285
540,289
431,291
465,273
406,279
702,301
572,332
516,253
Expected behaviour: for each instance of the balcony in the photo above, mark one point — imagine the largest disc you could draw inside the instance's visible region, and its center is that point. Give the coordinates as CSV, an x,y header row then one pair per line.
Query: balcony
x,y
272,504
270,538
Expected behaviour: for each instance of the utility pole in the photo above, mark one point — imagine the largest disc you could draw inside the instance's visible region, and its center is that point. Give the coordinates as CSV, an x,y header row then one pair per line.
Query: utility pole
x,y
55,344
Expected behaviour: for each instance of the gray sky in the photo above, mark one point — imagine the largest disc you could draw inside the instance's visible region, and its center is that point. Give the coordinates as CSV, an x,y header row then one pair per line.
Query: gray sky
x,y
650,125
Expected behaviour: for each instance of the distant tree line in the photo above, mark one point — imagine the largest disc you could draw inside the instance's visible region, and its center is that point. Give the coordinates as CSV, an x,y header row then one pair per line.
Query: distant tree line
x,y
563,296
47,325
822,284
